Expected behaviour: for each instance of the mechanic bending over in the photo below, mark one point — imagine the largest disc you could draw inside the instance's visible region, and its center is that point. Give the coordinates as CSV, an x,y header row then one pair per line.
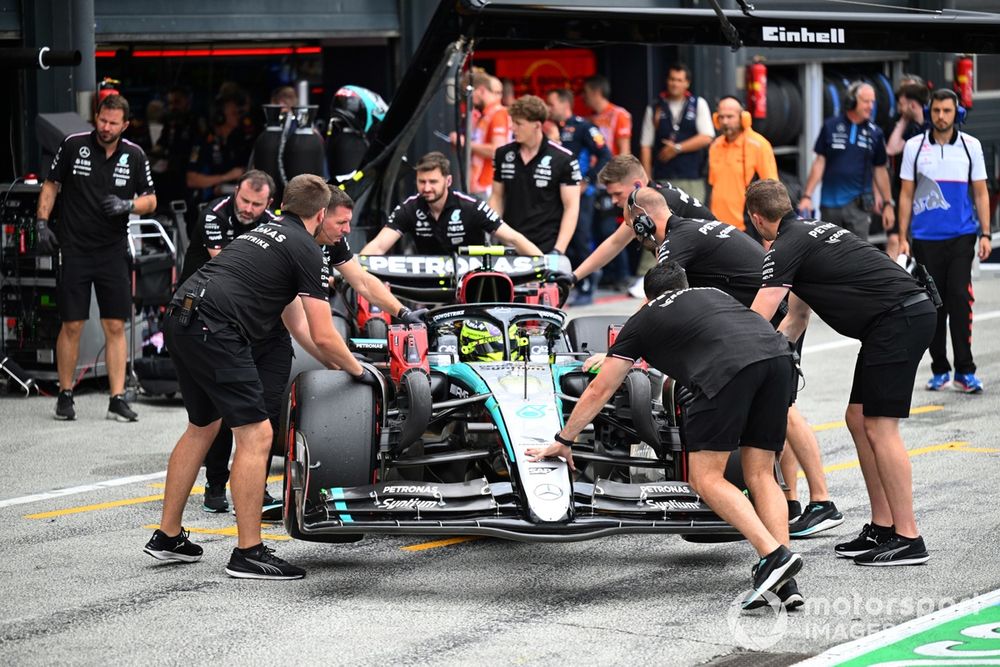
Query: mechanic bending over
x,y
439,219
716,254
233,301
100,178
622,175
739,398
862,294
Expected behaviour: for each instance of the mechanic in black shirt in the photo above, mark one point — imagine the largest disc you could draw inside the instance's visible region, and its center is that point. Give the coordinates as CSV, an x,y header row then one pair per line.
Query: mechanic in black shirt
x,y
861,293
536,182
99,178
622,175
741,394
227,217
717,254
245,292
439,219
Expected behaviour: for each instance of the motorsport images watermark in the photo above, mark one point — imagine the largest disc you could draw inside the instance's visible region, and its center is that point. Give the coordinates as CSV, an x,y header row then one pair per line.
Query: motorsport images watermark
x,y
825,619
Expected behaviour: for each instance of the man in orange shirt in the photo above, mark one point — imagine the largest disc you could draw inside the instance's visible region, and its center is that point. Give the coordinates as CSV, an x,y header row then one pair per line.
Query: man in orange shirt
x,y
614,122
735,158
492,130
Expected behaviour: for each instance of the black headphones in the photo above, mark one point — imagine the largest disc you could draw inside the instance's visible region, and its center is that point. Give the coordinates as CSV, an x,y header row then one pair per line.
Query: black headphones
x,y
851,96
941,93
642,224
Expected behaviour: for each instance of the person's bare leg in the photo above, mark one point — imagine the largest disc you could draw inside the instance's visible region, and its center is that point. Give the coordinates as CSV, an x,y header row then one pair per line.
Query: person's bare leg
x,y
68,352
881,514
707,476
115,353
247,477
805,446
182,470
790,472
894,471
768,501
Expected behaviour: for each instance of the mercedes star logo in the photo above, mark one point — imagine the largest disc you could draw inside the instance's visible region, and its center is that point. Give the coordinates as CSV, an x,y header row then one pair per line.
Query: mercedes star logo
x,y
548,491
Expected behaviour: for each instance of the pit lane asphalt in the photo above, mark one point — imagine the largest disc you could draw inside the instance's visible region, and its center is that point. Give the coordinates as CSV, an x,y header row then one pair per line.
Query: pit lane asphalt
x,y
78,589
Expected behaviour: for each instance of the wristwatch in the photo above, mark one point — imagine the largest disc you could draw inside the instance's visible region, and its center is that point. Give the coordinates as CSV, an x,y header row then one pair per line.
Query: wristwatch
x,y
888,202
678,148
561,440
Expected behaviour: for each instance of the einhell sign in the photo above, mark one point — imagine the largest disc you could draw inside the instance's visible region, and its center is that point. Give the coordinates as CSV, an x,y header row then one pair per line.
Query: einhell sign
x,y
803,35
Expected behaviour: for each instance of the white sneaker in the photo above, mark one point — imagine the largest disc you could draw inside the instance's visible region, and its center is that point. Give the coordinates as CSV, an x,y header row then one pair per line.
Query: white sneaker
x,y
636,291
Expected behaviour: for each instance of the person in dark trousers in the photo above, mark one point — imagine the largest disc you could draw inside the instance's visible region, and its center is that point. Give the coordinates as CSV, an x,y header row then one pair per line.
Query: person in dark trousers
x,y
536,183
219,224
587,144
861,294
939,169
213,321
911,99
99,178
850,153
439,219
741,394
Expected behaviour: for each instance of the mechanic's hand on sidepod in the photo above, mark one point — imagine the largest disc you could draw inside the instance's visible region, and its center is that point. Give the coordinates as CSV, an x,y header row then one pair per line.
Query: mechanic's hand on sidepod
x,y
550,450
407,316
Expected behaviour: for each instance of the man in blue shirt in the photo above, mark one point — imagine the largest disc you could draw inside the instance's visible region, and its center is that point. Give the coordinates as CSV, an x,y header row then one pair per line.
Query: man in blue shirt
x,y
850,154
587,144
938,169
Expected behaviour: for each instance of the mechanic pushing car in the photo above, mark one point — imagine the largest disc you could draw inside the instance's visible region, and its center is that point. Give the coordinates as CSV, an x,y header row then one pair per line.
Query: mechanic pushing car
x,y
740,398
439,219
622,175
862,294
716,254
233,301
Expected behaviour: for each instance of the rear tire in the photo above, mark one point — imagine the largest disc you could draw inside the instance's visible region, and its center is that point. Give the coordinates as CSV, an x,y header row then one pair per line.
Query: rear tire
x,y
376,328
334,421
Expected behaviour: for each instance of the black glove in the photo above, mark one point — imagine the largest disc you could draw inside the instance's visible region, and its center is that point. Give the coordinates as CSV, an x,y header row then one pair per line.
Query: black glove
x,y
407,316
368,377
115,206
47,241
683,396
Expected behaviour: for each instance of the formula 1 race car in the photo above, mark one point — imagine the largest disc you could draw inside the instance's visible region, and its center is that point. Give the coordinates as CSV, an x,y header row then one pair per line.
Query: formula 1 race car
x,y
439,447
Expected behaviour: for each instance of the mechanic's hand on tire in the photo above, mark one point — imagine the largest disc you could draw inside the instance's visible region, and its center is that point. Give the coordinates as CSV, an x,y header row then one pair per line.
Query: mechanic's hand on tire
x,y
47,241
407,316
368,377
114,206
549,451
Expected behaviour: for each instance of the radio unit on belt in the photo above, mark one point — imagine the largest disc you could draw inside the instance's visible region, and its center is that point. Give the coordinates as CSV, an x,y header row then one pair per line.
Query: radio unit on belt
x,y
189,304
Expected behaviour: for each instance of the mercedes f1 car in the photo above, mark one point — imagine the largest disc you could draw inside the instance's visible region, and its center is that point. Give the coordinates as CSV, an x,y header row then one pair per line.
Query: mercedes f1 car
x,y
439,447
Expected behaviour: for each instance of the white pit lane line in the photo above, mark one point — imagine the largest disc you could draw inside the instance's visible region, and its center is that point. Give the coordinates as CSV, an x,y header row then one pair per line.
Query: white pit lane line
x,y
848,342
135,479
74,490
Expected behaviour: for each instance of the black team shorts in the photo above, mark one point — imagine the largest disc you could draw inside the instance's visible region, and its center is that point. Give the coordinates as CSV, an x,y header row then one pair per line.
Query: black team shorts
x,y
216,374
750,411
108,271
888,360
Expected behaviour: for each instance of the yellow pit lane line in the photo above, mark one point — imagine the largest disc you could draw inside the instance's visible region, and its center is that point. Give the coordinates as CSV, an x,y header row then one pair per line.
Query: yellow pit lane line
x,y
923,409
440,543
955,446
195,490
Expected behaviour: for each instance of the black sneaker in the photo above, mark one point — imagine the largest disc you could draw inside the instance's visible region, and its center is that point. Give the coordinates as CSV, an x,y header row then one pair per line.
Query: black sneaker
x,y
771,572
794,510
119,410
790,596
816,518
64,406
173,549
215,500
897,551
259,562
870,537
